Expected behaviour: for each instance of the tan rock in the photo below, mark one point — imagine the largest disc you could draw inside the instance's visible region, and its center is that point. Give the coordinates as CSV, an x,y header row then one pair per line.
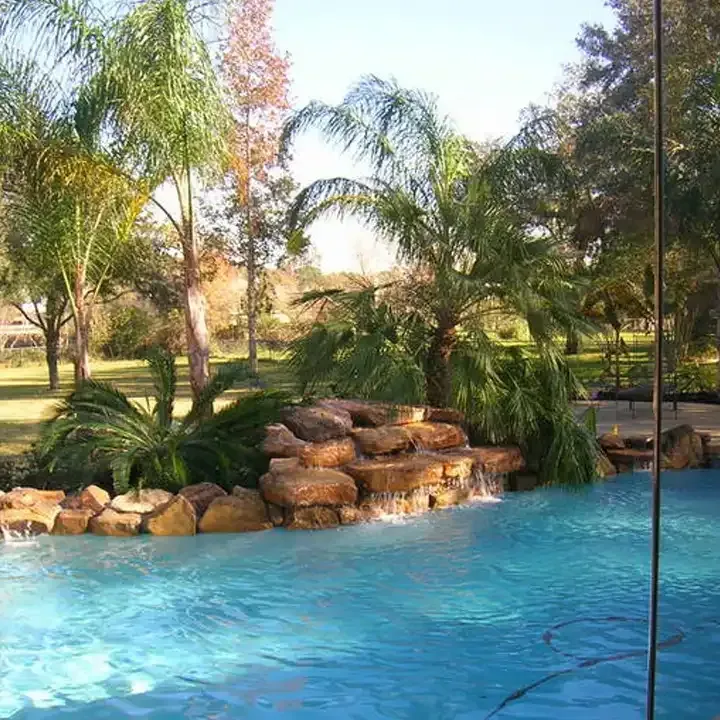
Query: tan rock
x,y
396,474
201,495
308,487
72,522
611,441
436,436
116,524
281,443
445,415
311,518
456,466
683,448
21,497
349,515
92,498
176,517
140,501
363,413
382,440
243,511
318,424
449,497
500,459
36,519
284,465
276,514
330,453
629,459
367,413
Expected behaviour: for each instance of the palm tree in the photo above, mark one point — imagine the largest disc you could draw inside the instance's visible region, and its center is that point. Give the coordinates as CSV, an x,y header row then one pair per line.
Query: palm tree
x,y
66,200
99,429
149,87
442,201
469,254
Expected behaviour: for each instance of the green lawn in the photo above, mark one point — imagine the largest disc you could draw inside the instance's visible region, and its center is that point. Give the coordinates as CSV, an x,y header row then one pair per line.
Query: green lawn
x,y
25,400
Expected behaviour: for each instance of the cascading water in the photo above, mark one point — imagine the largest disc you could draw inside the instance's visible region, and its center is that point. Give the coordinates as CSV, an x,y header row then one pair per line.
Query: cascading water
x,y
392,504
486,486
18,537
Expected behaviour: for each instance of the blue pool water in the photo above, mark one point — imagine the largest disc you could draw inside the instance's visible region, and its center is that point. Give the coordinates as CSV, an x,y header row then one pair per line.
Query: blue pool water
x,y
529,608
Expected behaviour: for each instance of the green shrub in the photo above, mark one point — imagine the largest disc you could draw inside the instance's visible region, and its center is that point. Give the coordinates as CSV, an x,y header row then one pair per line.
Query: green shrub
x,y
130,332
98,430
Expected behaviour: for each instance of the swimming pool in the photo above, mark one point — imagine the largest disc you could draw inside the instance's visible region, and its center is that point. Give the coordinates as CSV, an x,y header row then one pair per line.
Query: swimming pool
x,y
532,607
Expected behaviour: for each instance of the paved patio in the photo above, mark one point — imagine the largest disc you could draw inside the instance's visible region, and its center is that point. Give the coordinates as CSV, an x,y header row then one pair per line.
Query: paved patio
x,y
704,418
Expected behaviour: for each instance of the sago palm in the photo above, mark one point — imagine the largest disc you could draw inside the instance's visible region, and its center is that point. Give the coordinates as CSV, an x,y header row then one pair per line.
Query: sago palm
x,y
100,429
441,201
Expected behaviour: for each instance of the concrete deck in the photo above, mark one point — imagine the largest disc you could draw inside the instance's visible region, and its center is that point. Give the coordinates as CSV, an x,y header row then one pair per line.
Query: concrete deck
x,y
704,418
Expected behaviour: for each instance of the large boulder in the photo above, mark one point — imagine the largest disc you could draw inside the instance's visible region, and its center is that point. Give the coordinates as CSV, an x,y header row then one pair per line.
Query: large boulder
x,y
330,453
456,466
682,448
363,413
284,465
447,497
281,443
34,520
92,498
243,511
21,497
436,436
140,501
629,459
382,440
494,459
317,424
72,521
201,495
311,518
308,487
611,441
349,515
445,415
116,524
400,473
176,517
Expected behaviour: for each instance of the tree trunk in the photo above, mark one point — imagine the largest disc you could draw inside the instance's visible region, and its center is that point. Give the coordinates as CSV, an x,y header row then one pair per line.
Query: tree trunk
x,y
618,342
81,317
438,373
572,343
195,323
717,340
251,301
52,353
250,260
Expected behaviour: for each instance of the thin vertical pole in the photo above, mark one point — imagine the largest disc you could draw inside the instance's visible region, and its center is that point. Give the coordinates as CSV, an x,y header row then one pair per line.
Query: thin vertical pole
x,y
658,383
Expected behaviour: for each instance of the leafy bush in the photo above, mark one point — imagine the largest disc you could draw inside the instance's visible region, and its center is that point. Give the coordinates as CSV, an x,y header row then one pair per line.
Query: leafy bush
x,y
130,333
97,428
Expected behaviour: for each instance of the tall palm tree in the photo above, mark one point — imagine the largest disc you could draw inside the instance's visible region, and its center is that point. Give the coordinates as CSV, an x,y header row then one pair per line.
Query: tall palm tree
x,y
148,87
443,202
66,200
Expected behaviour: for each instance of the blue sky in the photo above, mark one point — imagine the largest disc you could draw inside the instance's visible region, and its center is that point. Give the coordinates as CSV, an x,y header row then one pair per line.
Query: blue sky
x,y
484,59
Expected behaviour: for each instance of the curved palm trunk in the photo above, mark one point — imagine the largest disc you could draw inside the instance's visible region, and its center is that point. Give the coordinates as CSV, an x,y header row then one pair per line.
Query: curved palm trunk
x,y
195,322
438,373
81,316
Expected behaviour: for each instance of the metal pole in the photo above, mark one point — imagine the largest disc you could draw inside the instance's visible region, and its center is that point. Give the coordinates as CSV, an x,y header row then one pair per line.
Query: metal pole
x,y
658,384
